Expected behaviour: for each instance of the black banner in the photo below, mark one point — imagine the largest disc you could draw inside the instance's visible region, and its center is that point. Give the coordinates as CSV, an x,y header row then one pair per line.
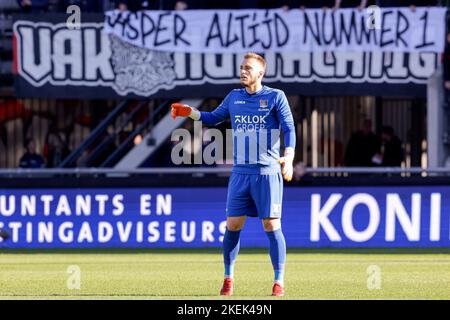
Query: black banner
x,y
54,60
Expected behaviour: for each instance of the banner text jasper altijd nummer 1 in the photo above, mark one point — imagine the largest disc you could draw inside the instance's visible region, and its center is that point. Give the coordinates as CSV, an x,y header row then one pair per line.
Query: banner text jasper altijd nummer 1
x,y
397,30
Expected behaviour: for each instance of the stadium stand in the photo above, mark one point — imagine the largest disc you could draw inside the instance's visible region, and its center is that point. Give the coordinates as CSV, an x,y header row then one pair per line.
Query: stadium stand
x,y
97,106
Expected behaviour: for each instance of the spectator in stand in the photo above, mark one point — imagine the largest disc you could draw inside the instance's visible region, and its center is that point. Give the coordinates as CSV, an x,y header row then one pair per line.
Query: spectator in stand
x,y
56,149
31,160
392,148
363,147
181,5
34,6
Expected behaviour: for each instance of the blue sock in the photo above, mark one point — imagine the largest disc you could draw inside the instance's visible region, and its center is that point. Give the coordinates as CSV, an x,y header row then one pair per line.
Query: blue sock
x,y
231,245
277,253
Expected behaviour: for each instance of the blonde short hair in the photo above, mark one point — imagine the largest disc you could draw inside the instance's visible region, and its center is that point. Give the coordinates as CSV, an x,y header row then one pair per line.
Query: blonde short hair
x,y
252,55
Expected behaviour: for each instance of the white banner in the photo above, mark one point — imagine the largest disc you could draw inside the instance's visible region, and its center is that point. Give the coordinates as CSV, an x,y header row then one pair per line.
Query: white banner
x,y
55,61
236,31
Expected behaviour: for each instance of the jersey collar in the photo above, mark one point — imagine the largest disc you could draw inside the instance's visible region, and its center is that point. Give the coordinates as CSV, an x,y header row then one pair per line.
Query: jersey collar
x,y
257,92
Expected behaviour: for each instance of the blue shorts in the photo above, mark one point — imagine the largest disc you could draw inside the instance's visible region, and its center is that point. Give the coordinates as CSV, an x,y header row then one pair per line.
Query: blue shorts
x,y
255,195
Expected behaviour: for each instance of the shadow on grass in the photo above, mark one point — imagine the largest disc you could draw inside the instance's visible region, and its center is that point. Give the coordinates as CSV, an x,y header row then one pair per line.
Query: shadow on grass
x,y
187,251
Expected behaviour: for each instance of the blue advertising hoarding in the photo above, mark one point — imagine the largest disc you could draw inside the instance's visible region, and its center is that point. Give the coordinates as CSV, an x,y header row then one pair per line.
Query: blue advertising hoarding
x,y
389,216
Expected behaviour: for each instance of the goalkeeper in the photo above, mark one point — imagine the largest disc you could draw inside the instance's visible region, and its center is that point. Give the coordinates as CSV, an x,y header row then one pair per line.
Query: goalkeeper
x,y
256,186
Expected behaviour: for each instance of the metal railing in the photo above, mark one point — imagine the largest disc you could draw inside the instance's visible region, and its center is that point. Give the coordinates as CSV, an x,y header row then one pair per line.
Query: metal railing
x,y
95,134
97,151
96,148
113,157
10,173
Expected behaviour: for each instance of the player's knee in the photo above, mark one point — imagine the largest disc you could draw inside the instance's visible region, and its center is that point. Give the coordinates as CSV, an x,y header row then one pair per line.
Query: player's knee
x,y
271,224
235,225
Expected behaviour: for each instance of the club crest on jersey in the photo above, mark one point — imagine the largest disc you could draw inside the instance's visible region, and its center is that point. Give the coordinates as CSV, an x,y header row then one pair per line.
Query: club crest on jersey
x,y
263,103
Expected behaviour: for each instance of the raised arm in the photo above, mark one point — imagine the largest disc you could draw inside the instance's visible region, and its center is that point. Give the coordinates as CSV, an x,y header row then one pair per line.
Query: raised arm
x,y
213,118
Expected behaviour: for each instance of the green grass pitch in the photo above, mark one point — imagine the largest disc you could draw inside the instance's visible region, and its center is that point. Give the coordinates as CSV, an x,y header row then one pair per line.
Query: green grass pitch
x,y
197,274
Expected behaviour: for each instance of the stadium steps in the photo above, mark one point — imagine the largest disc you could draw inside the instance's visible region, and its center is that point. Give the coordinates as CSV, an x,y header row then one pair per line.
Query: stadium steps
x,y
108,136
160,133
116,135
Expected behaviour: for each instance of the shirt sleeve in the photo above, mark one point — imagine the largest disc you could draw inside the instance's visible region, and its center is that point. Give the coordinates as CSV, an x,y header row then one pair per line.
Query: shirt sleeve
x,y
23,162
284,115
218,115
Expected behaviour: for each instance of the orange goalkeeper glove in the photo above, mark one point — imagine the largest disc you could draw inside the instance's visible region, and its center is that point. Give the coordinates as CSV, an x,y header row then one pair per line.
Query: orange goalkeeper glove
x,y
183,110
287,164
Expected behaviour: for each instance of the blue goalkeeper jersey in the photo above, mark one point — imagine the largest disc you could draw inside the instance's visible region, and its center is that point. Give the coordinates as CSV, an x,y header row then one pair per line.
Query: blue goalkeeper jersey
x,y
256,120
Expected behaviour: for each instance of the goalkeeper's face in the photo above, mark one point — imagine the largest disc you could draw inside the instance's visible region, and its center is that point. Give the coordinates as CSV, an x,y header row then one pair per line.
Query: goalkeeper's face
x,y
252,72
